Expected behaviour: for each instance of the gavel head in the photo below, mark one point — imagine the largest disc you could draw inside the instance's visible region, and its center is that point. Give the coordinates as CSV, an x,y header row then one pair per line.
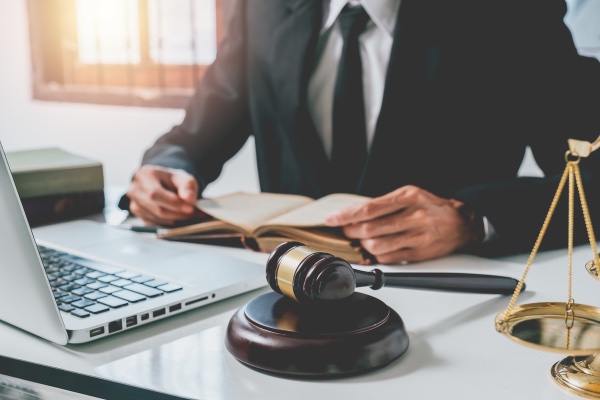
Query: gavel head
x,y
306,275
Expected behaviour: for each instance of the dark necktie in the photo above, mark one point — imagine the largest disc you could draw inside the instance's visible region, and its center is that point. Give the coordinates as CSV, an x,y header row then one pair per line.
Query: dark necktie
x,y
349,150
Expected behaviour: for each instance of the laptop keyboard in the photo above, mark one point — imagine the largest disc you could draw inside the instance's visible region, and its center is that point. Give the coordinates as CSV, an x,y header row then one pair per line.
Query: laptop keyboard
x,y
82,290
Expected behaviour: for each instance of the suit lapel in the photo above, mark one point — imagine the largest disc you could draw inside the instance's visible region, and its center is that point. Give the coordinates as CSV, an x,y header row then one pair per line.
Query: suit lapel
x,y
292,60
293,53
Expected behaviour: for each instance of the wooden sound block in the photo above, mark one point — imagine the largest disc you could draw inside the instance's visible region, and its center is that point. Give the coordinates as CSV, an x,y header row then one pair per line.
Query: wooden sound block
x,y
275,334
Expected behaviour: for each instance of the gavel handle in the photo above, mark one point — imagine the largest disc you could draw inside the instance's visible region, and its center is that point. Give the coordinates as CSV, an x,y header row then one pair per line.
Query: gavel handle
x,y
449,282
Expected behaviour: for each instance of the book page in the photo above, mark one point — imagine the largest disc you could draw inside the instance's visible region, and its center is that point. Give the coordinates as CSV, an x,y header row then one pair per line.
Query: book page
x,y
250,210
314,213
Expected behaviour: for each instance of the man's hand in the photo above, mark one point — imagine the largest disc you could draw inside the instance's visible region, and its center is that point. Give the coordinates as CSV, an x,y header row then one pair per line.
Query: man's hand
x,y
162,196
408,224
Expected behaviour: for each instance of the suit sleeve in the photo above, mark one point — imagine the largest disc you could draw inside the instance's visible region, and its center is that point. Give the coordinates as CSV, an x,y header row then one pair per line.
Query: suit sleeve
x,y
216,123
563,102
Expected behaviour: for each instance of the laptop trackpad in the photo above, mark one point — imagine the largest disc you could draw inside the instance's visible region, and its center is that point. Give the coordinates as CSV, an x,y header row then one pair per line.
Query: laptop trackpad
x,y
207,269
184,263
134,251
180,264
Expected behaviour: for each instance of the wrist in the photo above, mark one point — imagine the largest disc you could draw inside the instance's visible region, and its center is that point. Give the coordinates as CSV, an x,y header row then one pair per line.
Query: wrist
x,y
477,227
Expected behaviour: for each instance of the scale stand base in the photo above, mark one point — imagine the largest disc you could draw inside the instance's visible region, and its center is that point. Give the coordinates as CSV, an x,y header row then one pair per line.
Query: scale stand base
x,y
579,375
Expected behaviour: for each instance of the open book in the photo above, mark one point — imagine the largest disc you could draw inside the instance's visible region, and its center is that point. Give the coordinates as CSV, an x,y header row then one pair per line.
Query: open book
x,y
263,221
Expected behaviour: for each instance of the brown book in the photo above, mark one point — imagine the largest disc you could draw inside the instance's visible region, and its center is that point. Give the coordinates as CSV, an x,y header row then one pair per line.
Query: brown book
x,y
263,221
62,207
54,171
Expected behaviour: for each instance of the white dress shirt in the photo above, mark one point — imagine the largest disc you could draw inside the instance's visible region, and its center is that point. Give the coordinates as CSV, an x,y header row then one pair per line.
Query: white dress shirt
x,y
375,48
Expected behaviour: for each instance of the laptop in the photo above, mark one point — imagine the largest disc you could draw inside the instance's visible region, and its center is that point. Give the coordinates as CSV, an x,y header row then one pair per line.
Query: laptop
x,y
79,281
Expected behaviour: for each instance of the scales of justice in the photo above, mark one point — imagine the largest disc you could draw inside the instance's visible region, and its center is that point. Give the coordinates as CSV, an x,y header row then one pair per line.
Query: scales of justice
x,y
567,328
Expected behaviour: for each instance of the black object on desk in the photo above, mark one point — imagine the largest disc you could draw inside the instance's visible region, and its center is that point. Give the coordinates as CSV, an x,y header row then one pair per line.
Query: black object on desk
x,y
278,335
316,326
138,228
308,275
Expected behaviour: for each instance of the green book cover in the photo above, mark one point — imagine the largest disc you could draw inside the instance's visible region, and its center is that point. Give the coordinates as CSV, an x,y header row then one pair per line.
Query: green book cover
x,y
51,171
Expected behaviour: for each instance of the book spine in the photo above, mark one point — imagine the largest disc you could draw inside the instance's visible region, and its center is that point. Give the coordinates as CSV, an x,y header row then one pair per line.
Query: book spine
x,y
59,181
55,208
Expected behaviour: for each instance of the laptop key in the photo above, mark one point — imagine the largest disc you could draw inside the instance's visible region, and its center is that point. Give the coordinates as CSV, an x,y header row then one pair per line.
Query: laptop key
x,y
142,279
69,299
170,287
95,295
107,278
84,281
97,285
80,313
82,291
145,290
112,302
58,294
127,274
129,296
70,267
121,282
95,274
70,278
68,287
66,307
97,308
109,289
82,303
155,282
57,282
81,271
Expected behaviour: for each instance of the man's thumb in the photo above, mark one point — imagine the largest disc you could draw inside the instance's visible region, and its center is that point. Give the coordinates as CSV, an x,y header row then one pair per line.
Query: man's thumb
x,y
187,188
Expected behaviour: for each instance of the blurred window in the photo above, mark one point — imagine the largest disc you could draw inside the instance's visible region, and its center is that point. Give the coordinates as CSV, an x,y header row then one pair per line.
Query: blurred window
x,y
123,52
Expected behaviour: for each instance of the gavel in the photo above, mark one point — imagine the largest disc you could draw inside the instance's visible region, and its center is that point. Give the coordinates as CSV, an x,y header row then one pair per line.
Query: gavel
x,y
307,275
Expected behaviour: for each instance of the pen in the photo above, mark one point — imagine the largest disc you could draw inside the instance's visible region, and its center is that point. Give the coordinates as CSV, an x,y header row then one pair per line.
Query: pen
x,y
139,228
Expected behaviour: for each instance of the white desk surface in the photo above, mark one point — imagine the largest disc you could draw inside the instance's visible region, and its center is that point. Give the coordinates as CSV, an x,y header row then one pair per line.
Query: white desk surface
x,y
454,350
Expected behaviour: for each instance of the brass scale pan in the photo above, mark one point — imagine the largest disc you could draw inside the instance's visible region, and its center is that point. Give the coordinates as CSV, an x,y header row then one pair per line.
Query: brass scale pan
x,y
545,326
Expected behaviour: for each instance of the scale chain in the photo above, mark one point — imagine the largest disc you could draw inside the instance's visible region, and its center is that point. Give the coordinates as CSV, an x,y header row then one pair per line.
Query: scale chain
x,y
536,246
573,173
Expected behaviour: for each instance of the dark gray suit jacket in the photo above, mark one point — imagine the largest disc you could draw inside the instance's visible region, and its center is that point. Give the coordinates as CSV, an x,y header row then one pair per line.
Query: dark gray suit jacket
x,y
470,84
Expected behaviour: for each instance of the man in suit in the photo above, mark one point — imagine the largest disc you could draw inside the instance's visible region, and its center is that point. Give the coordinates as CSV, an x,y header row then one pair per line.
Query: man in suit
x,y
452,93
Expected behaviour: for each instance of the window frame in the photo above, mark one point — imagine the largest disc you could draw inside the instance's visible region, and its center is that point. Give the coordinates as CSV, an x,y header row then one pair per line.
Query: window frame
x,y
107,84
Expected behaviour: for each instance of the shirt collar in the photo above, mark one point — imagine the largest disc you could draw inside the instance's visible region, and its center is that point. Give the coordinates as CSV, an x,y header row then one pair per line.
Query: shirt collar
x,y
382,12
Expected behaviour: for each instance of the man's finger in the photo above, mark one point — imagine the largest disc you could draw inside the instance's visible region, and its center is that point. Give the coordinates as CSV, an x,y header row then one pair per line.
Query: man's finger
x,y
403,256
161,186
395,223
154,197
397,200
186,187
391,243
366,211
171,201
164,205
148,217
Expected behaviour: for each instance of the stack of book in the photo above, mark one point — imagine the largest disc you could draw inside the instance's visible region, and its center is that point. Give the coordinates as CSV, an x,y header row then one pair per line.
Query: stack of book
x,y
56,185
